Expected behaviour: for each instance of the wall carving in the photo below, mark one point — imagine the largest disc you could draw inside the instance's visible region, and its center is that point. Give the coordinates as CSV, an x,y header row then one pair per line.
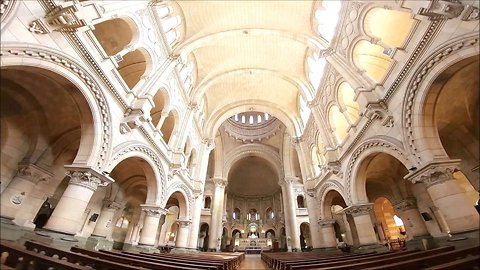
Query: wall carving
x,y
79,72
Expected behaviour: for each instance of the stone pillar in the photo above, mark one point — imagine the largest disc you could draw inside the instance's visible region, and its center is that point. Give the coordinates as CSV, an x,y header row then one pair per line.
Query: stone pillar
x,y
363,223
293,238
197,212
407,210
105,224
163,117
217,212
313,211
182,233
14,195
153,214
329,240
67,216
447,195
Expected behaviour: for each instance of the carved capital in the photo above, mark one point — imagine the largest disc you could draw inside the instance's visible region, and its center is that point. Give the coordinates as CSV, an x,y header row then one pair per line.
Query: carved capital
x,y
359,210
153,210
326,222
87,177
311,192
288,181
192,106
111,205
379,111
406,204
434,173
443,9
33,173
134,118
210,143
219,182
326,52
184,223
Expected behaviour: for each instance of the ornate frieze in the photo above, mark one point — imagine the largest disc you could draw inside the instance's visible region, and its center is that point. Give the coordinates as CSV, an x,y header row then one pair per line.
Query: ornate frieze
x,y
326,222
153,210
359,210
434,173
87,177
409,203
184,223
33,173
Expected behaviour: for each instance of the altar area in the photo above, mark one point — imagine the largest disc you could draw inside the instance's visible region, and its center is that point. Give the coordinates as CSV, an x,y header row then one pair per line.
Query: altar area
x,y
246,244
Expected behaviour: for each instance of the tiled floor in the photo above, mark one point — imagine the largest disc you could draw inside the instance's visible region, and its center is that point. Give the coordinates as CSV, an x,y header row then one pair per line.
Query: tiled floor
x,y
253,262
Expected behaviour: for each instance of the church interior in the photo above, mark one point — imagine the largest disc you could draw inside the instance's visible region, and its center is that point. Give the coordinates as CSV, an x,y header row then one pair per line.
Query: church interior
x,y
301,134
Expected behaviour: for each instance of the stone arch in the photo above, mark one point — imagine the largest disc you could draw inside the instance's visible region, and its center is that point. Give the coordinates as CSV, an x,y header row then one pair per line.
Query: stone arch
x,y
171,125
338,123
370,58
216,118
354,180
258,150
330,185
134,66
157,182
116,34
9,10
418,142
95,144
184,197
161,101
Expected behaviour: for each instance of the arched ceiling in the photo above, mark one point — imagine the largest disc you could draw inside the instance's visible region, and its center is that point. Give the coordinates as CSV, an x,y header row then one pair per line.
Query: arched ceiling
x,y
248,52
252,176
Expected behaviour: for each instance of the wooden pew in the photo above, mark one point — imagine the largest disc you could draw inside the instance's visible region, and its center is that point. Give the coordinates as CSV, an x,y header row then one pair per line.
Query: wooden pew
x,y
431,260
161,259
362,263
221,264
20,259
467,263
228,260
146,262
77,258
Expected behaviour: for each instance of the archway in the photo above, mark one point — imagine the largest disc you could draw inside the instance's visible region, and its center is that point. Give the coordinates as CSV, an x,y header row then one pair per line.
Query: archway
x,y
343,226
305,236
203,237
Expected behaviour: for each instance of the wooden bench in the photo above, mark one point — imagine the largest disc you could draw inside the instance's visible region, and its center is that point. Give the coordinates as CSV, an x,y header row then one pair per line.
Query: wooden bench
x,y
227,260
428,261
379,261
20,258
145,262
467,263
77,258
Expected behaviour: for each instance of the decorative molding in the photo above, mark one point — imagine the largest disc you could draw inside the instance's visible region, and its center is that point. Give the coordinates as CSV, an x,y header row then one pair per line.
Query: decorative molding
x,y
184,223
443,9
7,10
417,81
359,210
82,74
435,173
220,182
471,13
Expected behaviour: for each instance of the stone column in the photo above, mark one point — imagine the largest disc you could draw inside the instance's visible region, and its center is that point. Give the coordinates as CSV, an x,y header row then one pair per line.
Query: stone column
x,y
407,210
14,195
290,207
447,195
84,181
217,212
313,211
329,240
363,223
197,212
105,225
153,214
182,233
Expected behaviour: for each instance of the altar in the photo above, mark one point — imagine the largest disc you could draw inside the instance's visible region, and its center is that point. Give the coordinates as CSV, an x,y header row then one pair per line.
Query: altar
x,y
244,244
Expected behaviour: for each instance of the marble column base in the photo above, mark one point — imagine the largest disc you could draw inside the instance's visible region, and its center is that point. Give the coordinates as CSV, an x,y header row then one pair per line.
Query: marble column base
x,y
140,248
98,242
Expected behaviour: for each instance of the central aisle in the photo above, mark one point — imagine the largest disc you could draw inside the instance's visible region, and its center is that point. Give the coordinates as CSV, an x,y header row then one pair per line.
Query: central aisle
x,y
253,262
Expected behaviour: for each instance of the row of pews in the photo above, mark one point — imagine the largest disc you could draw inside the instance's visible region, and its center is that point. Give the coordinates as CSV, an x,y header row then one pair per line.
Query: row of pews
x,y
34,255
435,259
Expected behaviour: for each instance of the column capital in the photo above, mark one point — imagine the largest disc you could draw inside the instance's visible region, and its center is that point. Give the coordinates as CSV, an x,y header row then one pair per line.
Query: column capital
x,y
288,180
182,223
210,143
153,210
359,210
193,106
434,173
409,203
311,192
87,177
326,222
109,204
220,182
33,173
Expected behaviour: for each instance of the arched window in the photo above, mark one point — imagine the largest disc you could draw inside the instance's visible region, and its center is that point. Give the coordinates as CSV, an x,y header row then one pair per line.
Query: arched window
x,y
300,202
269,213
236,214
208,202
316,66
346,96
327,17
338,124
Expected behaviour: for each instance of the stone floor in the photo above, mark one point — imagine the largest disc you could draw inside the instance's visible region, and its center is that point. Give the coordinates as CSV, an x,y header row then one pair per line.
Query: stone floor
x,y
253,262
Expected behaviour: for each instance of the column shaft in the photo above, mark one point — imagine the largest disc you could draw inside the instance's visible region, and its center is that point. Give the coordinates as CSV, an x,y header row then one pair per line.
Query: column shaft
x,y
217,213
182,234
363,223
150,224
